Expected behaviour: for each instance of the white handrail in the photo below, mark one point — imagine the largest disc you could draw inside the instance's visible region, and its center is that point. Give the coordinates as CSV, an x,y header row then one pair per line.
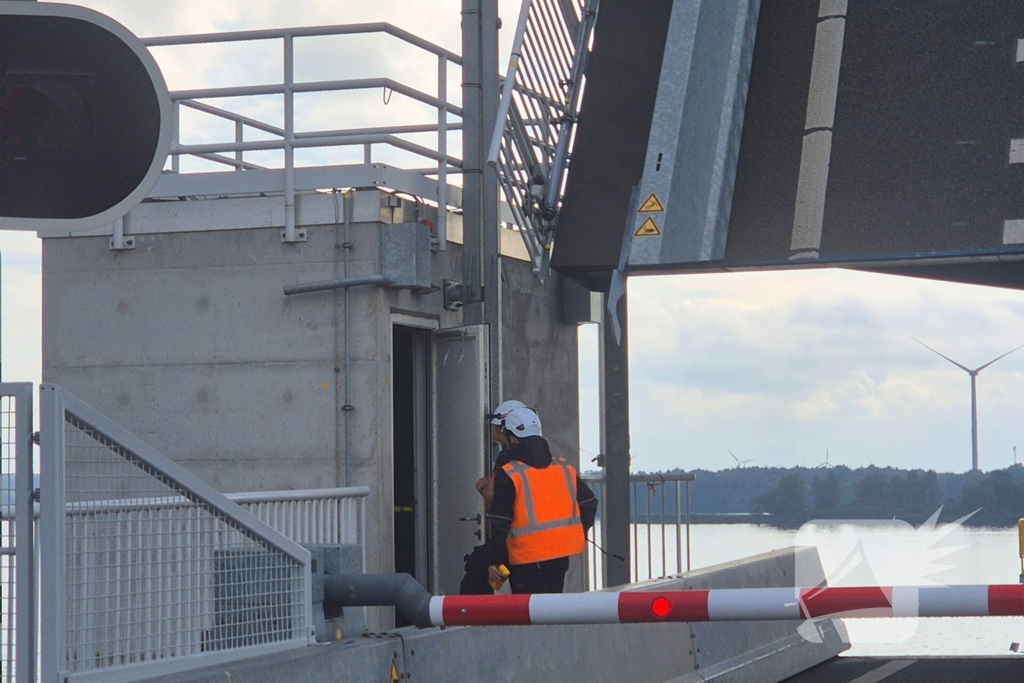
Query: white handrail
x,y
303,494
287,139
509,84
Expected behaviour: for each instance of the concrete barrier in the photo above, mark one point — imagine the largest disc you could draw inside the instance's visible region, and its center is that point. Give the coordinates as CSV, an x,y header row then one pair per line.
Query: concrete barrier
x,y
678,652
735,652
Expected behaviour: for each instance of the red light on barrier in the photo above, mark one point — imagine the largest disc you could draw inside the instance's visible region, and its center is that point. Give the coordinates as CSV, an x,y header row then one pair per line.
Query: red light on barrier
x,y
661,607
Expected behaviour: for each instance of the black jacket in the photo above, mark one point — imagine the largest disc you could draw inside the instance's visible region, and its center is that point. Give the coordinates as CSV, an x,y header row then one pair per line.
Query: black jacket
x,y
533,451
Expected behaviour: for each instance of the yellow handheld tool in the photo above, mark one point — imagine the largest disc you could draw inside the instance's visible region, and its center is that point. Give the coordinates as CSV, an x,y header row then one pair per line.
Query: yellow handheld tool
x,y
503,570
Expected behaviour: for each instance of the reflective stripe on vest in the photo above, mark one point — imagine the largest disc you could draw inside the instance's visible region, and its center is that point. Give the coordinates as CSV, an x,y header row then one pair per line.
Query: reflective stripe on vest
x,y
535,536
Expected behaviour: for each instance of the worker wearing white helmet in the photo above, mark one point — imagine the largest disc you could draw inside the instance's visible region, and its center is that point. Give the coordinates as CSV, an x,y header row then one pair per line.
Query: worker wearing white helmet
x,y
496,420
475,580
540,513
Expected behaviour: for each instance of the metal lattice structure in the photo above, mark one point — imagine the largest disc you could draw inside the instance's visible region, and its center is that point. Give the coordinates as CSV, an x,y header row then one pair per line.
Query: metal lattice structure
x,y
159,572
540,102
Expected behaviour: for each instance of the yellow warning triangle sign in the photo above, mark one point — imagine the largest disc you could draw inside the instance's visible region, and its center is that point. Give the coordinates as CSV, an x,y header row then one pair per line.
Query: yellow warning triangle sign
x,y
395,678
648,229
652,205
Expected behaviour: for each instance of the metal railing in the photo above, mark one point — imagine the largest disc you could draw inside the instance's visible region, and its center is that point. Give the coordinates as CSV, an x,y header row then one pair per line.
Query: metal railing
x,y
538,110
17,554
287,139
332,516
660,528
316,516
150,571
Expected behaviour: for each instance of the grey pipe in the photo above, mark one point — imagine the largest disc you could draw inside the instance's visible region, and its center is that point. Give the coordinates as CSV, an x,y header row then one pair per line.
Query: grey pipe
x,y
347,407
400,591
343,283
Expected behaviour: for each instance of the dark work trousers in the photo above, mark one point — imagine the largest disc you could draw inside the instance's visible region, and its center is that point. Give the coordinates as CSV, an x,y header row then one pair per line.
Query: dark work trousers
x,y
475,580
539,577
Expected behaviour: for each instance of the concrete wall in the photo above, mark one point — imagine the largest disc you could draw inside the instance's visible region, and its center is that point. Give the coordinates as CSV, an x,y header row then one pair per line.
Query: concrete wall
x,y
189,342
733,652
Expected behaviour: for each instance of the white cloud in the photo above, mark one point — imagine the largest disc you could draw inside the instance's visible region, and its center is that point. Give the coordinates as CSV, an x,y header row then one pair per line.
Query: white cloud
x,y
782,365
21,322
776,366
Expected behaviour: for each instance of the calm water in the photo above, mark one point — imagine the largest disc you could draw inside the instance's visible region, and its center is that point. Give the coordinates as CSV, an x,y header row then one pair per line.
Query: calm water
x,y
900,556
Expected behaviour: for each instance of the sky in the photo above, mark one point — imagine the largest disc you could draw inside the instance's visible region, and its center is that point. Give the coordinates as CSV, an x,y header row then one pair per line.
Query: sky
x,y
776,367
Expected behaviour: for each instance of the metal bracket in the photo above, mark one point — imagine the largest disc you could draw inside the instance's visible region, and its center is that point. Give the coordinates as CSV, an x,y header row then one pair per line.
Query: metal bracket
x,y
119,241
300,236
456,294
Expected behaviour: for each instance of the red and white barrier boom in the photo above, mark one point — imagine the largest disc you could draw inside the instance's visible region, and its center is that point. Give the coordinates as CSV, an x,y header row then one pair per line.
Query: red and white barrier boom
x,y
742,604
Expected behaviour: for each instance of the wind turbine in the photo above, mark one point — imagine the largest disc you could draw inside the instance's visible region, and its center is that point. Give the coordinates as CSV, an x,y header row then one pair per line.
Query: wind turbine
x,y
739,463
826,465
974,395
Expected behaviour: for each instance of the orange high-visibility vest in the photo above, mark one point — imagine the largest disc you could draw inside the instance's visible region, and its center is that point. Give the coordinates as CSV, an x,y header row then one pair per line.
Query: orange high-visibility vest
x,y
546,517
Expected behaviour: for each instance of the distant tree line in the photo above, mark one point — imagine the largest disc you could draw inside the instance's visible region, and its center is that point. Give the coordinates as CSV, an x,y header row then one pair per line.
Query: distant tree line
x,y
791,496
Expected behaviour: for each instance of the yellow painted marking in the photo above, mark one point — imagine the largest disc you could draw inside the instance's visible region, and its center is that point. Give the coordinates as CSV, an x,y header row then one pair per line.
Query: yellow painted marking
x,y
648,229
395,678
652,205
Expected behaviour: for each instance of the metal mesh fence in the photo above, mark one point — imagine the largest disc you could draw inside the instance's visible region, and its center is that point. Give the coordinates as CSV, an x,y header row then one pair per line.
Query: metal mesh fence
x,y
8,565
153,572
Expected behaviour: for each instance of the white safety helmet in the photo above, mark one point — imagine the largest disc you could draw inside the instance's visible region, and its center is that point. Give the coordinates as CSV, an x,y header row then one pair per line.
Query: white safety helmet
x,y
522,422
502,411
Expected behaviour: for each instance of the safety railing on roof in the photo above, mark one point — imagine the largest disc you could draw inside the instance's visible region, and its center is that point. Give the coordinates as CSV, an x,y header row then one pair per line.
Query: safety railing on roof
x,y
286,138
150,571
659,532
537,114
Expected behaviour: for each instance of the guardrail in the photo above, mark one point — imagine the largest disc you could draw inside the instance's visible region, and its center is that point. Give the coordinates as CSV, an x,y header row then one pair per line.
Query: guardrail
x,y
315,516
150,571
655,535
331,516
287,139
17,551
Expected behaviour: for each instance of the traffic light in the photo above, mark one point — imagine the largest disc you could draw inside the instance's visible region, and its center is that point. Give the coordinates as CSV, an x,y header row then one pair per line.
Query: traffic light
x,y
84,118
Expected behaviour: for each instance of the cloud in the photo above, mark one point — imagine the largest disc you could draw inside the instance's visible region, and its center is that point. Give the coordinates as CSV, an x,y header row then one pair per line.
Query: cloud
x,y
749,361
776,366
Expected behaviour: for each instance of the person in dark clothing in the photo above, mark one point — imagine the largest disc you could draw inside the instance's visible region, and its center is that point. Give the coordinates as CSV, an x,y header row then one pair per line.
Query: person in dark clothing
x,y
537,555
475,581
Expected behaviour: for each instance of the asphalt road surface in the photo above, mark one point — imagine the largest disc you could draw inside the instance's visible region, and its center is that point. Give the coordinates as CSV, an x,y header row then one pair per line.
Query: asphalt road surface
x,y
927,670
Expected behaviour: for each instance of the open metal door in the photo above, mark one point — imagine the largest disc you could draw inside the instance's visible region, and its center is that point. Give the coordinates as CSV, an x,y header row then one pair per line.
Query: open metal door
x,y
459,357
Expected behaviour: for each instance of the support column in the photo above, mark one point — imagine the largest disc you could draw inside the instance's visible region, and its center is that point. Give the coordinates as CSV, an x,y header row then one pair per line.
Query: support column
x,y
490,227
481,264
615,520
472,160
